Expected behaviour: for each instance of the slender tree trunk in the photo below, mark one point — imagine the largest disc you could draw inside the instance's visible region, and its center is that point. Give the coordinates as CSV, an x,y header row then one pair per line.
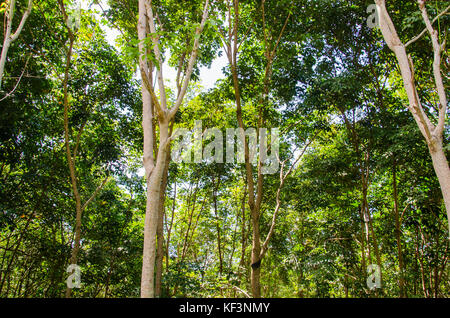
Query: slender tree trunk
x,y
159,251
253,202
377,254
242,262
216,214
170,225
255,259
366,220
9,37
71,164
398,231
420,258
369,220
363,247
5,48
233,246
159,254
71,156
364,211
254,199
160,230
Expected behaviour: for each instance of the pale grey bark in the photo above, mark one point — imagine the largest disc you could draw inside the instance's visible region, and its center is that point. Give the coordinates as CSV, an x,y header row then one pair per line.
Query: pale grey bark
x,y
10,37
155,167
433,133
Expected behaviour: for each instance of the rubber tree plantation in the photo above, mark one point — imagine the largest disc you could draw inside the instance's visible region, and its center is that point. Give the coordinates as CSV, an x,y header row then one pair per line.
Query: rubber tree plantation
x,y
224,149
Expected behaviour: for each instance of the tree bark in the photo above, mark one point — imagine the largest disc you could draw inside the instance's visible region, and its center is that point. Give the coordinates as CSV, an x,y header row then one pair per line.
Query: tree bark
x,y
243,235
160,231
254,187
71,156
170,225
432,133
442,170
216,214
151,215
256,260
9,38
156,171
70,160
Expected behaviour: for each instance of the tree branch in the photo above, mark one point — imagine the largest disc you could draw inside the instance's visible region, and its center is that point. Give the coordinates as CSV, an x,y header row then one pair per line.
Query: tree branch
x,y
22,21
17,83
425,30
95,193
192,61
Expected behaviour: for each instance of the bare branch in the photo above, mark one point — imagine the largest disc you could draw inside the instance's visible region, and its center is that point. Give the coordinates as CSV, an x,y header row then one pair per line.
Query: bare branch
x,y
77,143
192,61
425,30
22,21
95,193
439,129
18,81
144,67
158,55
280,35
283,177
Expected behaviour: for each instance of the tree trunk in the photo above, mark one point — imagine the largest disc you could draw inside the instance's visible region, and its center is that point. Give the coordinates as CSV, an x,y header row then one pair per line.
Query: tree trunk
x,y
159,248
9,38
71,164
366,220
170,225
398,231
440,165
155,172
5,48
151,171
216,214
432,133
420,258
160,230
255,258
243,236
151,215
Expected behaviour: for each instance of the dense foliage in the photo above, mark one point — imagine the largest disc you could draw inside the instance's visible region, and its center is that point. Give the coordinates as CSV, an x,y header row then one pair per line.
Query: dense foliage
x,y
361,188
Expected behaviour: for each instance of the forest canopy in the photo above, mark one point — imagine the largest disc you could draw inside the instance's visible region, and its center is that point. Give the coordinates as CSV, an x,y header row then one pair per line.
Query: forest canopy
x,y
224,148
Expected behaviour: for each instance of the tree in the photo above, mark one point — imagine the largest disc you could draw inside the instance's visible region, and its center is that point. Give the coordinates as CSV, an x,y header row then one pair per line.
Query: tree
x,y
431,129
270,34
155,164
355,185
